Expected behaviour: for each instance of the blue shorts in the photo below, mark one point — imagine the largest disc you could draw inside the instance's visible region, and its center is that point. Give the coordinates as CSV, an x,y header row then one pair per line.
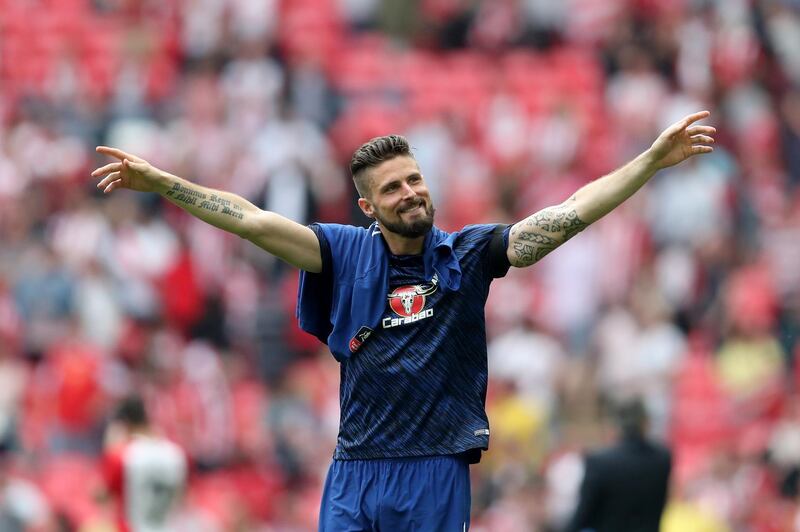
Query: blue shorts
x,y
396,495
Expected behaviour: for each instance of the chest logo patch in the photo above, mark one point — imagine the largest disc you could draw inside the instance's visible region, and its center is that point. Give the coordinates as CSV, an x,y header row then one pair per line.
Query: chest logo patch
x,y
408,303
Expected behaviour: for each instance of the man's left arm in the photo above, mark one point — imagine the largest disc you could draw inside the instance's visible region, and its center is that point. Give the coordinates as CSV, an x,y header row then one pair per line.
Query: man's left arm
x,y
539,234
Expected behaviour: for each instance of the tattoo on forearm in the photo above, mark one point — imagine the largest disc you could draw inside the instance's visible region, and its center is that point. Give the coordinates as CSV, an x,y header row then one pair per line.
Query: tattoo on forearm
x,y
185,194
210,203
530,241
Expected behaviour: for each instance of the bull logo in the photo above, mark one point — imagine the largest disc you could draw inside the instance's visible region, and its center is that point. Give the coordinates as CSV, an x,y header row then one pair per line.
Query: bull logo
x,y
408,300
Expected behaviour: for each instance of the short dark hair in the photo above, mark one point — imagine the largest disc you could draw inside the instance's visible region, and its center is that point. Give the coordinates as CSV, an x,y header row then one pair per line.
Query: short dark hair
x,y
131,411
630,416
372,153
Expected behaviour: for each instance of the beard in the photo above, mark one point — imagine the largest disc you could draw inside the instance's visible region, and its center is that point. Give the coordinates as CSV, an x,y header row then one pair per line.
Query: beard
x,y
414,229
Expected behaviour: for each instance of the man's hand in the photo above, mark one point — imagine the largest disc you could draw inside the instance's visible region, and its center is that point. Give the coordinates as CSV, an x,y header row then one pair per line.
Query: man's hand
x,y
680,141
130,172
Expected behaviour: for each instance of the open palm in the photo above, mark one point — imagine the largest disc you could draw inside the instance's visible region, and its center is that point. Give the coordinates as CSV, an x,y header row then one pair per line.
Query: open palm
x,y
682,140
129,171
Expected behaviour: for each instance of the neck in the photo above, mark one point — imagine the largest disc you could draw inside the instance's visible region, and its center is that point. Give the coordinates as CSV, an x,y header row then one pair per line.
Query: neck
x,y
402,245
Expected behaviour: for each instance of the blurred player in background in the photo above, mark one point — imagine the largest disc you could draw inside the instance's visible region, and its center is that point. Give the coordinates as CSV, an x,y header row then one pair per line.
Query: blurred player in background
x,y
401,306
145,473
23,507
624,487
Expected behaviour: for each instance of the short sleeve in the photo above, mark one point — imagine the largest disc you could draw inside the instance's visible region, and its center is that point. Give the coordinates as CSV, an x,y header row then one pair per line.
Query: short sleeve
x,y
324,249
497,252
315,293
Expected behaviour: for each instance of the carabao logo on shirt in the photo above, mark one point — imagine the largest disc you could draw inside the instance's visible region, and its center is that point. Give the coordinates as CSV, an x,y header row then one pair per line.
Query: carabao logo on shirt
x,y
408,303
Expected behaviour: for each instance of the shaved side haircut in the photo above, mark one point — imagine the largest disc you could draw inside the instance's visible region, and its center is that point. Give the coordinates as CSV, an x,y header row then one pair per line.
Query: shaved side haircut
x,y
371,154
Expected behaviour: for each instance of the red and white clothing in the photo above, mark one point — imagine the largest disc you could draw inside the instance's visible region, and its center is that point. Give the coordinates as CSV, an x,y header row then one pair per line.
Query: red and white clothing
x,y
147,474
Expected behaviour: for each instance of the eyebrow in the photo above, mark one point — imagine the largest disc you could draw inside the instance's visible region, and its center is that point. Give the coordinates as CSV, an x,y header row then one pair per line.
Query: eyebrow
x,y
395,181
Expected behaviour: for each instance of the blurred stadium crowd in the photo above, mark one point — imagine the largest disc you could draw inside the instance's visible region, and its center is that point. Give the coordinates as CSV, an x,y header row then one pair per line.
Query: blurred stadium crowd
x,y
688,295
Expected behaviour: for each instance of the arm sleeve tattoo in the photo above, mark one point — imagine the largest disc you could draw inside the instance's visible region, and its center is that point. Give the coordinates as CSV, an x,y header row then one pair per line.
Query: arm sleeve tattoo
x,y
539,234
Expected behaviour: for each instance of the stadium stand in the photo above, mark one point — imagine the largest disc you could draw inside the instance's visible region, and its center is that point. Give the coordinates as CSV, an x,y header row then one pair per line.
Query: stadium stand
x,y
689,295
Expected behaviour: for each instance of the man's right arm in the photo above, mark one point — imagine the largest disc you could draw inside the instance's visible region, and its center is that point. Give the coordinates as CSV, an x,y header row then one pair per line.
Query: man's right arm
x,y
287,240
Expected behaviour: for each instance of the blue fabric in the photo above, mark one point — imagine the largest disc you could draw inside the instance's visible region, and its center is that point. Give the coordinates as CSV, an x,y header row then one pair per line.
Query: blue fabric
x,y
417,387
396,495
360,282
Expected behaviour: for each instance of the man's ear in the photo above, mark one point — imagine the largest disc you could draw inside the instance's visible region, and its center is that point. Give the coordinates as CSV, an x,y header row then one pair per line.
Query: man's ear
x,y
366,207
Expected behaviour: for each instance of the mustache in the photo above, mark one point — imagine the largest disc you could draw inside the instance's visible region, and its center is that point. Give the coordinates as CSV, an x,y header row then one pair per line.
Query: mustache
x,y
413,205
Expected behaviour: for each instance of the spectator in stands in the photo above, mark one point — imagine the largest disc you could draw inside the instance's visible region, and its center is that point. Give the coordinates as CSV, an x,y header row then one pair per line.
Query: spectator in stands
x,y
625,487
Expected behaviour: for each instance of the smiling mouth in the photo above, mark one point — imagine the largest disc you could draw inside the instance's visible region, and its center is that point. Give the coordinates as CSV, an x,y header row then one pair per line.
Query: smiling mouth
x,y
420,205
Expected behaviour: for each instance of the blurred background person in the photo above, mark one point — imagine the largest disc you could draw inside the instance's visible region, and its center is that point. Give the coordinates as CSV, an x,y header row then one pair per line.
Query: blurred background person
x,y
146,474
624,487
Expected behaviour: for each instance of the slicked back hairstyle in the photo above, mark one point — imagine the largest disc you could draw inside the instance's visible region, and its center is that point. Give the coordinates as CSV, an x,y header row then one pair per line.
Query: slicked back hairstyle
x,y
371,154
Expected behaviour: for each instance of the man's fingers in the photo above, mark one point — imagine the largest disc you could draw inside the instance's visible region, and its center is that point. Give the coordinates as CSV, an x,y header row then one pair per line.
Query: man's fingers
x,y
691,119
119,154
113,185
699,148
110,178
701,130
110,167
702,139
114,152
681,125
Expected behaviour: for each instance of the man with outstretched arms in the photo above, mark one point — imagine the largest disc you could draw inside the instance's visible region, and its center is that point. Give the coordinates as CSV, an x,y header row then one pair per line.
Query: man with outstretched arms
x,y
401,306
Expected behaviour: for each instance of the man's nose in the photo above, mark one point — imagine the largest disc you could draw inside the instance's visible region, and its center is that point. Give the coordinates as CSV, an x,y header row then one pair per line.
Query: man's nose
x,y
408,191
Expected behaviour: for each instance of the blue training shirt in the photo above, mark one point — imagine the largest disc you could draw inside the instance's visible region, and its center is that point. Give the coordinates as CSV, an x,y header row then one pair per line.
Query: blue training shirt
x,y
417,386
